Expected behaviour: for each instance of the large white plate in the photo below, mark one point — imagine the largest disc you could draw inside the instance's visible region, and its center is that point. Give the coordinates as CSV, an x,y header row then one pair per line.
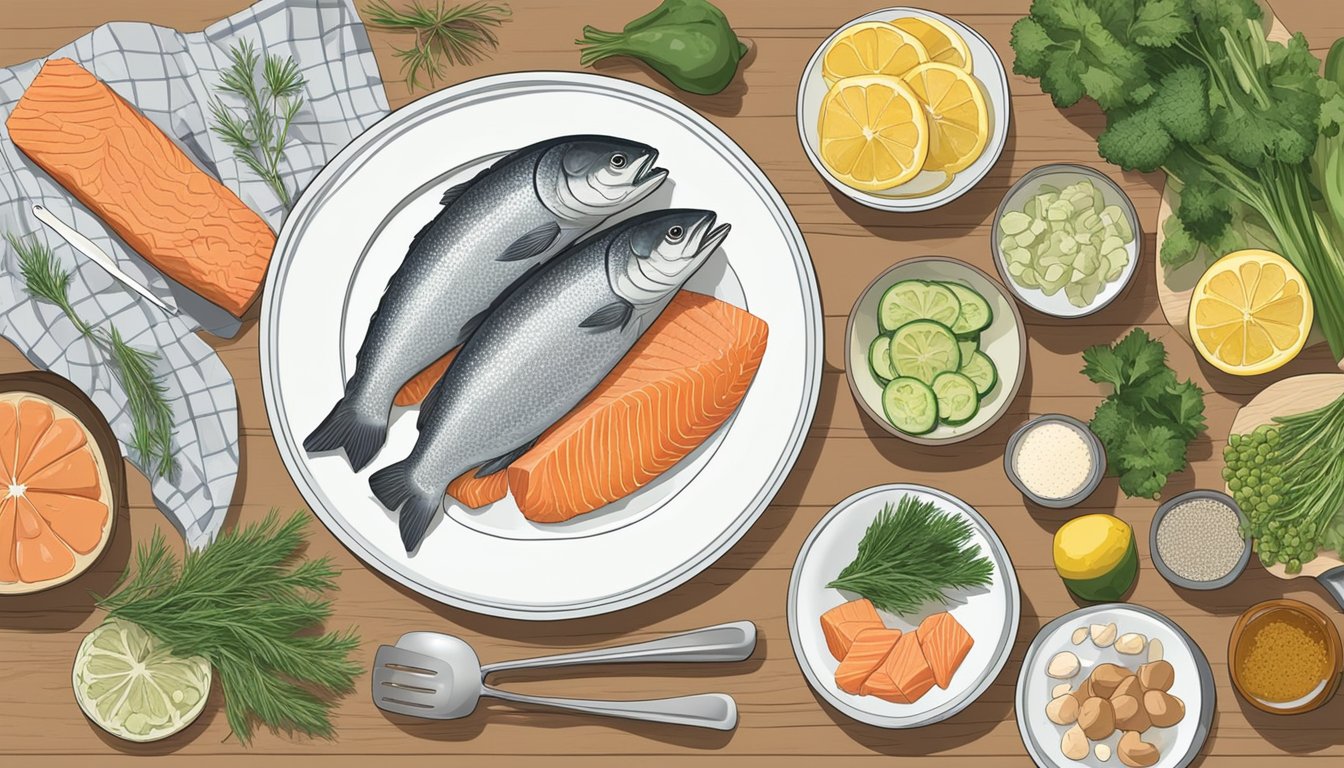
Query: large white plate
x,y
1179,744
348,234
990,614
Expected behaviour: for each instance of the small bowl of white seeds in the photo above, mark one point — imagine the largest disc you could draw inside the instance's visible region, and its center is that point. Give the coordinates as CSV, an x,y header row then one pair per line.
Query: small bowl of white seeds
x,y
1196,540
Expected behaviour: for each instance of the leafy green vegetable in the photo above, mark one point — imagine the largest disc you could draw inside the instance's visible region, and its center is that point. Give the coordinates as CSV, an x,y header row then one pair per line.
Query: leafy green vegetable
x,y
258,140
462,34
239,604
1288,478
687,41
151,414
911,555
1149,419
1193,87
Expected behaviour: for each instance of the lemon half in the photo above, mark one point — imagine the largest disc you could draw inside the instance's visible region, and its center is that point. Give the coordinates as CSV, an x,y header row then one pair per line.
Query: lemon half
x,y
1250,313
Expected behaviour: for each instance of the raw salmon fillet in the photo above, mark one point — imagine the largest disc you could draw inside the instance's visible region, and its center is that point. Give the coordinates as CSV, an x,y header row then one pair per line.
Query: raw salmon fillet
x,y
945,642
868,651
120,165
476,492
844,622
678,384
904,676
415,390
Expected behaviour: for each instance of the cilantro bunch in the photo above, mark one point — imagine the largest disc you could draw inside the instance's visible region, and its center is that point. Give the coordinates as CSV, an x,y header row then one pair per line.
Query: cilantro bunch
x,y
1193,87
1149,419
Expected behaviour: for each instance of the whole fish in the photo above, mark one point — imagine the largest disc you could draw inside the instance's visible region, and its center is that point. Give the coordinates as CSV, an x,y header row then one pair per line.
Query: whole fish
x,y
540,352
517,214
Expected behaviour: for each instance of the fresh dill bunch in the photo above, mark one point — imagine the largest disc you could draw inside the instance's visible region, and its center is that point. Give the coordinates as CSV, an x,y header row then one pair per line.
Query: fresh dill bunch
x,y
249,604
258,138
146,394
462,34
911,554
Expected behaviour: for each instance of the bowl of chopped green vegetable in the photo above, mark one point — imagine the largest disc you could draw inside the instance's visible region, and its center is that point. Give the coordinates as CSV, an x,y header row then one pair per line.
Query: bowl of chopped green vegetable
x,y
936,350
1066,240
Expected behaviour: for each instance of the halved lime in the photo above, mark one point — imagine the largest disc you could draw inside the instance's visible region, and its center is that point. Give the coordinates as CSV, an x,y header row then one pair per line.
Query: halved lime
x,y
129,685
923,349
917,300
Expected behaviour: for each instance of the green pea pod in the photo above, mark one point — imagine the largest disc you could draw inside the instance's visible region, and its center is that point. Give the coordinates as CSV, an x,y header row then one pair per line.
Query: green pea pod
x,y
687,41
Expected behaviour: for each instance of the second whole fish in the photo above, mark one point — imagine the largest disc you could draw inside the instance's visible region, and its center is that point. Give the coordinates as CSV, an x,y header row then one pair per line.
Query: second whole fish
x,y
540,352
514,216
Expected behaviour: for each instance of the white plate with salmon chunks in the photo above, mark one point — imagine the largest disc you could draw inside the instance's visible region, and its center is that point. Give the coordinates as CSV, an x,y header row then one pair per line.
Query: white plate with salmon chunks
x,y
618,502
896,671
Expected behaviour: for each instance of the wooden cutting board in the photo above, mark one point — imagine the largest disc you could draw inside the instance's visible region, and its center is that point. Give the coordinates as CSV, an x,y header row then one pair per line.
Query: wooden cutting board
x,y
1174,288
1284,398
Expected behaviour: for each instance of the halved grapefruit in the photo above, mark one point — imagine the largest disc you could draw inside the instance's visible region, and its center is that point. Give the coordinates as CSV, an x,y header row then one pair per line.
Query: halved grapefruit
x,y
57,498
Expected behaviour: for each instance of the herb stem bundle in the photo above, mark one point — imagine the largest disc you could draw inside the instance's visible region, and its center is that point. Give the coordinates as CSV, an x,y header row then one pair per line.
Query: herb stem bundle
x,y
258,140
462,34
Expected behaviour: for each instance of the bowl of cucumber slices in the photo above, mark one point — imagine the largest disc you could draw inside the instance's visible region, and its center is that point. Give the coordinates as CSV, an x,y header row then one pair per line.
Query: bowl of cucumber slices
x,y
936,350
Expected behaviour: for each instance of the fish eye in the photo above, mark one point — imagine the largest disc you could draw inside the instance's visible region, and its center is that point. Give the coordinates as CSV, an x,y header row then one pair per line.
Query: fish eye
x,y
675,233
618,160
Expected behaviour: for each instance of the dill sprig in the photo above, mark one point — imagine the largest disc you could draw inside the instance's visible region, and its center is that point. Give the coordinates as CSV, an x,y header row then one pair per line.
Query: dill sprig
x,y
462,34
258,138
911,554
146,394
248,605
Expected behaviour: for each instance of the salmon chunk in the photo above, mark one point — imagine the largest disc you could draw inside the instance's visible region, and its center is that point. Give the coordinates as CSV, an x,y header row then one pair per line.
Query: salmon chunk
x,y
945,643
866,653
904,676
843,623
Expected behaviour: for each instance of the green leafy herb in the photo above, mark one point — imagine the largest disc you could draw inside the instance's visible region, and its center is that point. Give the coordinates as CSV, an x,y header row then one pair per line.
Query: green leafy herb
x,y
461,34
258,137
911,555
1193,87
687,41
1288,477
243,604
146,395
1149,419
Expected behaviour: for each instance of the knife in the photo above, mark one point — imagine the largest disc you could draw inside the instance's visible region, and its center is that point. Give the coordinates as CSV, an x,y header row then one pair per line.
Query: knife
x,y
95,254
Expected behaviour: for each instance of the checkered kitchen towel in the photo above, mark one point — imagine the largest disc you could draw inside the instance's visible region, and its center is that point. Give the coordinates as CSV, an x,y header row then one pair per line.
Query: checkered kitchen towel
x,y
170,76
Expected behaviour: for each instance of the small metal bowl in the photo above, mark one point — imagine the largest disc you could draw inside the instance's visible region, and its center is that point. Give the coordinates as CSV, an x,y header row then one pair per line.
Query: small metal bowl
x,y
1166,571
1061,174
1093,480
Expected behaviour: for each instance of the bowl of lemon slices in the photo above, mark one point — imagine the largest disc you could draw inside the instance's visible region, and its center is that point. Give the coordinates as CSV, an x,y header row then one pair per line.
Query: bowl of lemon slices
x,y
903,109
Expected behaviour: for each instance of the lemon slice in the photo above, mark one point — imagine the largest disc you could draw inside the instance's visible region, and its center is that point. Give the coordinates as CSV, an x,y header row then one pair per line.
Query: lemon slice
x,y
1250,313
941,42
130,686
955,109
871,48
873,133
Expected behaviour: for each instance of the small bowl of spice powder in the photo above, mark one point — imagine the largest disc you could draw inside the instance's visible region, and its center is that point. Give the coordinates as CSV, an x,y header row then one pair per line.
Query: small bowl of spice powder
x,y
1054,460
1285,657
1197,542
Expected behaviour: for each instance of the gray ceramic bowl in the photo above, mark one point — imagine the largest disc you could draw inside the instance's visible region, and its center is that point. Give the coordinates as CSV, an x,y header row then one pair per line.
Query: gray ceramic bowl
x,y
1162,566
1093,480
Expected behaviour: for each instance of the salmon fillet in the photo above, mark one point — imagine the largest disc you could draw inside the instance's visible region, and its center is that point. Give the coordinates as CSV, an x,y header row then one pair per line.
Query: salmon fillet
x,y
904,677
120,165
476,492
869,650
678,384
415,390
841,624
945,643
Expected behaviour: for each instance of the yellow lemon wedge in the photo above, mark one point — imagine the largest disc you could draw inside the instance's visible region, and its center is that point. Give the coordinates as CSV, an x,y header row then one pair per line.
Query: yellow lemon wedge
x,y
955,109
941,42
1250,313
873,133
871,48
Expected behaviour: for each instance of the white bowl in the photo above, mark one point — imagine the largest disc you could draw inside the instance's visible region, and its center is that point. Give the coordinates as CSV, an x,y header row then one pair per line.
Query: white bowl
x,y
920,193
1062,175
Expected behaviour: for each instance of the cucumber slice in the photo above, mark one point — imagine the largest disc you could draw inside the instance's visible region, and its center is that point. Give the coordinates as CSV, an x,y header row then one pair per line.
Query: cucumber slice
x,y
923,349
910,405
957,398
911,300
879,360
975,315
968,347
980,369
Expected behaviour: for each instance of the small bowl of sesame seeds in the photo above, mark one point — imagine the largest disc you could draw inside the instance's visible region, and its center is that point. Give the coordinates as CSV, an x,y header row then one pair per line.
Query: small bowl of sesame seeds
x,y
1196,540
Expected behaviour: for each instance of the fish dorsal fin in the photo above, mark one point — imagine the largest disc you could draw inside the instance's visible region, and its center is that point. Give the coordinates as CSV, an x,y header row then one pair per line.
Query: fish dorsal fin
x,y
502,462
613,315
532,243
455,191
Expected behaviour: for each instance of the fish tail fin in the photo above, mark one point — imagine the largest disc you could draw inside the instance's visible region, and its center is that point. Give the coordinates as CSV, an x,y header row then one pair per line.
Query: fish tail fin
x,y
392,485
361,436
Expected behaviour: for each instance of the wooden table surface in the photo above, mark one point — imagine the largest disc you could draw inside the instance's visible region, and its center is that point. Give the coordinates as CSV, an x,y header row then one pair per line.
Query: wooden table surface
x,y
782,722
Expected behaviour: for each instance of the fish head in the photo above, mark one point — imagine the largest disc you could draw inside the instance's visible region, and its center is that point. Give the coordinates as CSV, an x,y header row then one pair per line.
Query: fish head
x,y
602,175
661,250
